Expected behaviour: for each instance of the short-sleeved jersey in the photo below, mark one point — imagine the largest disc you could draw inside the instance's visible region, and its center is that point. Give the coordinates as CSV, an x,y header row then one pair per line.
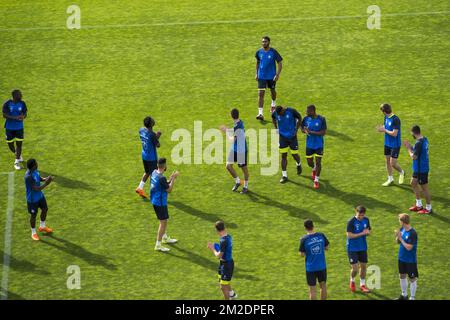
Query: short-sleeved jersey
x,y
420,149
33,178
14,109
287,123
267,63
314,124
356,226
239,144
149,144
158,189
409,237
392,122
313,246
226,247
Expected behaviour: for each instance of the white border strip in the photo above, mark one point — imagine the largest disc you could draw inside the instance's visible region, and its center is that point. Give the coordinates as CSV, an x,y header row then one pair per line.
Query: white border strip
x,y
212,22
8,236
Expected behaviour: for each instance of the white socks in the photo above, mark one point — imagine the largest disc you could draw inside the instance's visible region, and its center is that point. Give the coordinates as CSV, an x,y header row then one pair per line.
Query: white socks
x,y
391,178
42,225
237,180
412,289
299,164
428,207
316,179
362,282
158,243
245,183
141,184
33,231
404,286
418,203
260,110
284,173
274,103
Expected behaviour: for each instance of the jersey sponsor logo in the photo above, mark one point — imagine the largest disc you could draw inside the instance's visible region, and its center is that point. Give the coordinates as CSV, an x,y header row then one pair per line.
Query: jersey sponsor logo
x,y
317,249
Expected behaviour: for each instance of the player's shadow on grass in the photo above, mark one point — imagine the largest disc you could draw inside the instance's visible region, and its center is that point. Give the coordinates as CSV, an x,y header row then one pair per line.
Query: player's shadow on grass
x,y
293,211
206,263
444,201
373,295
78,251
24,265
339,135
200,214
67,182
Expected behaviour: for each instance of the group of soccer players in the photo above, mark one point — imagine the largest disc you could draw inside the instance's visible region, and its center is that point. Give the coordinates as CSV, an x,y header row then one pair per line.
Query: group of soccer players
x,y
287,121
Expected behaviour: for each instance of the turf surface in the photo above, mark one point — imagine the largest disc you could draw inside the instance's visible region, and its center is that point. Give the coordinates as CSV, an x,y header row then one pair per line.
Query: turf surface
x,y
88,90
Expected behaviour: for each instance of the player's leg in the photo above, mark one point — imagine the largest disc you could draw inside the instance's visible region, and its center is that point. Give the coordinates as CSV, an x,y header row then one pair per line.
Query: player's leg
x,y
261,93
323,290
164,216
161,232
44,209
12,147
226,288
416,188
284,177
246,176
396,166
402,270
318,167
18,150
273,93
390,179
32,210
312,293
362,277
412,288
10,140
353,273
311,281
237,181
423,183
293,146
148,166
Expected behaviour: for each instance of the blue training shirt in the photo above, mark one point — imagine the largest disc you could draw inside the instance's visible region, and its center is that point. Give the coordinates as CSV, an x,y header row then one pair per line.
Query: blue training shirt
x,y
239,145
158,189
267,63
409,237
314,124
33,178
422,163
356,226
149,144
313,245
287,123
390,123
226,246
15,109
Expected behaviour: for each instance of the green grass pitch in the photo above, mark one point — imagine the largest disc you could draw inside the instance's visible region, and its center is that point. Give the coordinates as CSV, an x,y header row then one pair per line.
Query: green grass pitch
x,y
88,90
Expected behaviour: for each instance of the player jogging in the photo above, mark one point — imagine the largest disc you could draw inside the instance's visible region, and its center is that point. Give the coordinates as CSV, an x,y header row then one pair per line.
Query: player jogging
x,y
159,190
238,153
224,251
150,141
407,257
15,111
315,126
267,74
312,247
420,167
358,228
392,143
287,121
35,197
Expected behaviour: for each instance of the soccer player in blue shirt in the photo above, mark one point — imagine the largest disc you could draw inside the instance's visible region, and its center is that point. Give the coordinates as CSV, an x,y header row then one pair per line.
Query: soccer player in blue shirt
x,y
407,257
312,247
267,74
35,197
287,121
15,111
420,167
150,141
392,143
315,126
159,190
238,153
358,228
224,252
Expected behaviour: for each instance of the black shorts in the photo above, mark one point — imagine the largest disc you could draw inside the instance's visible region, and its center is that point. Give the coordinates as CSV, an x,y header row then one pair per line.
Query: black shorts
x,y
33,207
288,143
150,166
238,157
408,268
310,153
311,277
14,135
392,152
263,84
161,212
422,178
357,256
225,273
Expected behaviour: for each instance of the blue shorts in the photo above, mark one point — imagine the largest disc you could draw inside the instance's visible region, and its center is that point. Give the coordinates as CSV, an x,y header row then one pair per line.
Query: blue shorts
x,y
14,135
263,84
312,277
288,143
225,273
422,178
311,153
392,152
357,256
35,206
161,212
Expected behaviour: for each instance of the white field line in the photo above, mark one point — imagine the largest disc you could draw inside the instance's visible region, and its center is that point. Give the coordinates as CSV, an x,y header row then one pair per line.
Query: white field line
x,y
8,235
212,22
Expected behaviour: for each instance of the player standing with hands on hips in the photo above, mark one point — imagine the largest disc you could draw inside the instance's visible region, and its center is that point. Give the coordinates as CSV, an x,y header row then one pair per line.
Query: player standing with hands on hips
x,y
267,74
